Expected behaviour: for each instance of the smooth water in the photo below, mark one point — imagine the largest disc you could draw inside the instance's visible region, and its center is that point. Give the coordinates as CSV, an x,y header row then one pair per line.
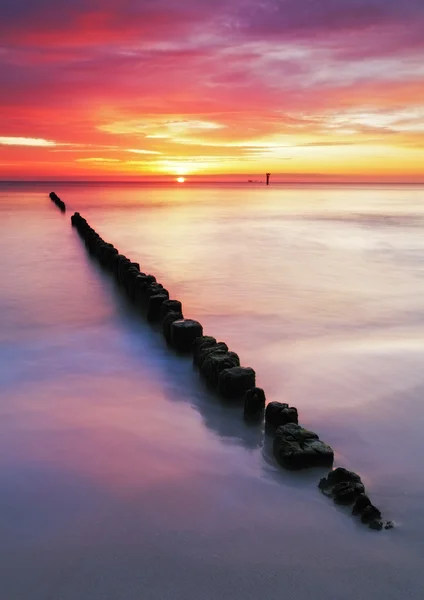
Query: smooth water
x,y
123,478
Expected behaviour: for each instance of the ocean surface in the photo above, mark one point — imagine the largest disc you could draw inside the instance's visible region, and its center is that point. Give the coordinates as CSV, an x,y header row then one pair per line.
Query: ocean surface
x,y
123,478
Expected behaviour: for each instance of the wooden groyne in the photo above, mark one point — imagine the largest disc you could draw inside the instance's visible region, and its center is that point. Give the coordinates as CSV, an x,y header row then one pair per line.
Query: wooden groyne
x,y
294,447
59,203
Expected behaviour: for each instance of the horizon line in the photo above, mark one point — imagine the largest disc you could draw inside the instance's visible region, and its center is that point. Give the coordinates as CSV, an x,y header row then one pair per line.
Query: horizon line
x,y
205,181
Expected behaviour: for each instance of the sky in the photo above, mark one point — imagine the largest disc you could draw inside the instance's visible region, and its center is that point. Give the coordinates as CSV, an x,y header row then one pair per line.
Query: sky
x,y
309,90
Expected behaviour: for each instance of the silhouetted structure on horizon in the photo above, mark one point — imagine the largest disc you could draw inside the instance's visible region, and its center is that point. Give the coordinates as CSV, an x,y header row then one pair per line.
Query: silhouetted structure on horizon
x,y
268,175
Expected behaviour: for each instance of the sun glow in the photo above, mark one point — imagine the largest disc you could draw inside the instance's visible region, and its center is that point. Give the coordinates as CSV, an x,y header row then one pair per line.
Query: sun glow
x,y
180,179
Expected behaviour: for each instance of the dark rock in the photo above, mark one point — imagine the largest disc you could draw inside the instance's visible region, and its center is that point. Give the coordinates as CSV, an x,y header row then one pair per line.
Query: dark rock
x,y
140,284
131,273
154,306
79,222
129,281
98,246
127,264
234,382
59,203
323,483
216,362
167,323
361,503
346,492
207,350
370,513
278,414
389,525
324,488
254,403
111,260
340,475
107,253
200,343
127,272
297,448
156,288
76,219
347,488
93,244
121,264
183,334
143,292
146,280
171,306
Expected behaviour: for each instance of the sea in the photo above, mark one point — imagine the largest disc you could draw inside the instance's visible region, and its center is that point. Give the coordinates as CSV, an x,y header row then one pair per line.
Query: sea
x,y
122,477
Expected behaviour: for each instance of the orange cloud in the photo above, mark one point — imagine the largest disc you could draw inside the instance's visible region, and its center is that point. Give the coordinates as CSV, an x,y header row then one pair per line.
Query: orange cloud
x,y
221,89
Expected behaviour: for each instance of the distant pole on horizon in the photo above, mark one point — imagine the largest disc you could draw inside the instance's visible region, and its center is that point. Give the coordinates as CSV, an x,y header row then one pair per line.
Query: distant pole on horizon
x,y
268,175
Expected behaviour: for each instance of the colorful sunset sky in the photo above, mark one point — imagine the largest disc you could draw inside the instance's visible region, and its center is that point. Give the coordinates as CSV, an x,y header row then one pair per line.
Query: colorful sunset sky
x,y
310,90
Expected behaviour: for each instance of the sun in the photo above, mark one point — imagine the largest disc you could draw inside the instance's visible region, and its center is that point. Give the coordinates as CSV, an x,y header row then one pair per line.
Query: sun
x,y
180,179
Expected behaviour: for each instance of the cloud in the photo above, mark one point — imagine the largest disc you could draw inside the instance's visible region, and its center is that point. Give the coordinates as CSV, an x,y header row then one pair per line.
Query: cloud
x,y
236,81
24,141
97,160
316,17
77,23
138,151
153,127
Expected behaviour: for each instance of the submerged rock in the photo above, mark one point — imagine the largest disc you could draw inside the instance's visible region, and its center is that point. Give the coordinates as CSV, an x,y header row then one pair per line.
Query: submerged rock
x,y
154,306
323,485
155,288
216,362
234,382
254,403
183,334
346,487
343,485
171,306
130,277
377,525
278,414
107,254
370,513
59,203
340,475
170,318
297,448
361,503
140,284
346,492
207,350
76,218
201,343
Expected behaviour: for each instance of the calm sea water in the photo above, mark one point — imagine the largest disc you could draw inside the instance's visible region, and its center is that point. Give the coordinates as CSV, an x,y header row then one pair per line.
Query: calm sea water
x,y
123,478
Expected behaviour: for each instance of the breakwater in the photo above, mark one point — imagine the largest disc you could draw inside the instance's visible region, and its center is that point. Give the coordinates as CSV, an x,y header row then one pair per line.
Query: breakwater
x,y
59,203
294,447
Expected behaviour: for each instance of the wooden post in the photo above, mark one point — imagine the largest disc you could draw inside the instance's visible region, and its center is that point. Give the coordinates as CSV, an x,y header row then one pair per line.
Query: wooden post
x,y
267,178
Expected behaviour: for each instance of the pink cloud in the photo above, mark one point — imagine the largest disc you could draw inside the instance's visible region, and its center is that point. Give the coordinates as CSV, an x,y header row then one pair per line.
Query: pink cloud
x,y
261,70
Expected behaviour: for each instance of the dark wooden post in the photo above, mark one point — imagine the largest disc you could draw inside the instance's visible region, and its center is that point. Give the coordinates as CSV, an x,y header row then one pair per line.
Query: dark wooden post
x,y
267,178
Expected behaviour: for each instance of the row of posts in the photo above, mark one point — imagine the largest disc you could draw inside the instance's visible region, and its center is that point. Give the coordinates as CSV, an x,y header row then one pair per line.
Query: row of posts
x,y
294,447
